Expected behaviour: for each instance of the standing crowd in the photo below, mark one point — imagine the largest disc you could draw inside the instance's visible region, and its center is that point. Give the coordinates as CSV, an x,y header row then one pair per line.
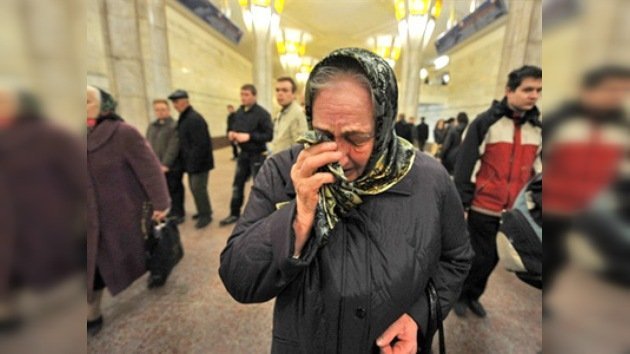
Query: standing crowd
x,y
349,223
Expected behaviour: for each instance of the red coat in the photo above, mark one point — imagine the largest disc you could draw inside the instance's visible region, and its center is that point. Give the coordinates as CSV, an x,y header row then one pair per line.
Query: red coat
x,y
124,173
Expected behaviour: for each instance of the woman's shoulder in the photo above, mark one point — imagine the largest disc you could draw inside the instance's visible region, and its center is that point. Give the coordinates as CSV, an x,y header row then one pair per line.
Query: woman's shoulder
x,y
428,170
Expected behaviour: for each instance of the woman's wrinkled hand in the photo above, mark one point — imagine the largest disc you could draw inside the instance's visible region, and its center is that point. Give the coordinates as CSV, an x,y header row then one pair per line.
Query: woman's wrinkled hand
x,y
405,330
307,182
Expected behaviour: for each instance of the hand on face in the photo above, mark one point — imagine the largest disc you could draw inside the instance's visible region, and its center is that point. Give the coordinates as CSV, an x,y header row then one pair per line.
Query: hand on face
x,y
307,182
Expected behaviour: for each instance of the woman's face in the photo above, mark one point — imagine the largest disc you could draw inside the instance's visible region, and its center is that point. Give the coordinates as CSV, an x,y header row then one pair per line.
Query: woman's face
x,y
93,105
440,124
343,111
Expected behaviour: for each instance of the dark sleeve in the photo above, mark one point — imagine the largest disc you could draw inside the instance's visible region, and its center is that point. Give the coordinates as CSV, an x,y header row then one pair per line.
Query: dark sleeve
x,y
455,257
449,141
146,167
198,138
467,159
264,129
172,149
230,121
257,263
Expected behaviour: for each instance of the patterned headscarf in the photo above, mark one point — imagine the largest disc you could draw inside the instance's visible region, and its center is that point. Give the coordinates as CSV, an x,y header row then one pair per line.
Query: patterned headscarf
x,y
391,158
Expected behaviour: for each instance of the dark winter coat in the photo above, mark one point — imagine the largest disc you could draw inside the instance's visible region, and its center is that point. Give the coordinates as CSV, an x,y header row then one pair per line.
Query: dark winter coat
x,y
422,132
450,148
195,143
404,130
163,137
439,135
373,270
124,174
257,122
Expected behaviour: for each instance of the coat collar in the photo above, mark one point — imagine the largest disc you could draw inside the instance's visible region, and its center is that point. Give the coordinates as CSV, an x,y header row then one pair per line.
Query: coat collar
x,y
101,134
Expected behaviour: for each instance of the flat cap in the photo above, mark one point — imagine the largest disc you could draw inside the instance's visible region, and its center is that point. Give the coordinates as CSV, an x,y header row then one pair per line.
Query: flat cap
x,y
177,95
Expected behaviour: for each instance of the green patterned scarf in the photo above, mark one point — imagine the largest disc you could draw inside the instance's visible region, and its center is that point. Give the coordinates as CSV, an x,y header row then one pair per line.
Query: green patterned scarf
x,y
391,159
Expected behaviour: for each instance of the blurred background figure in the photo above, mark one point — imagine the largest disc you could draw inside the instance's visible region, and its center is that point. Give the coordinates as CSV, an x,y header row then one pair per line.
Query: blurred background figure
x,y
586,142
439,134
450,148
422,134
126,187
403,128
42,180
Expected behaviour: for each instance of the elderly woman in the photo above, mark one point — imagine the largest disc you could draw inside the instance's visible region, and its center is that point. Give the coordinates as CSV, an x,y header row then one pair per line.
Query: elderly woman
x,y
346,231
124,176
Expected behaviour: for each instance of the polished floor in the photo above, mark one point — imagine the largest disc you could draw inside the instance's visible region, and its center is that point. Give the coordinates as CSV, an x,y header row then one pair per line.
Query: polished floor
x,y
193,313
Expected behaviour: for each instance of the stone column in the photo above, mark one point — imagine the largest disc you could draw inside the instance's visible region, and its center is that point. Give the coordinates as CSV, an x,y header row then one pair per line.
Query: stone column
x,y
263,69
155,54
123,38
411,77
523,39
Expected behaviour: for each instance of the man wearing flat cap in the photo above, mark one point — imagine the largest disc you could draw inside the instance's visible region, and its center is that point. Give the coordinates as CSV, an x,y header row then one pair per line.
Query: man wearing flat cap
x,y
195,156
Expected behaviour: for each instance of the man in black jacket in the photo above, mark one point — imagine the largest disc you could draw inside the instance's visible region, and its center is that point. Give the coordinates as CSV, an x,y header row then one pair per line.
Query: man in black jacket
x,y
403,129
195,155
423,134
252,129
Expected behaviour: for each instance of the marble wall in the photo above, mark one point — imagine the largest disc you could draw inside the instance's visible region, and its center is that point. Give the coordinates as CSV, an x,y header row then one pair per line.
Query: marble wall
x,y
473,68
205,65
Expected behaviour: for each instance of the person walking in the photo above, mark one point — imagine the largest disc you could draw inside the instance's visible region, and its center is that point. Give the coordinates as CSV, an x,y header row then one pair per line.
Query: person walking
x,y
195,154
500,153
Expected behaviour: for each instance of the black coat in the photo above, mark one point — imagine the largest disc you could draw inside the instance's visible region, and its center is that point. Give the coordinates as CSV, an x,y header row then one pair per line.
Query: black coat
x,y
422,132
257,122
450,148
373,270
195,144
404,130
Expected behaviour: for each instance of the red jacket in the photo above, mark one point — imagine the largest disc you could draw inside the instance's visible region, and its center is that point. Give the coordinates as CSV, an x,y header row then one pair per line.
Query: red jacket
x,y
583,154
499,155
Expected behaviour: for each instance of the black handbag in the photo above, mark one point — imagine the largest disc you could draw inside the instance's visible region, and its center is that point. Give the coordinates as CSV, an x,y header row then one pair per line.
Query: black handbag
x,y
425,340
163,249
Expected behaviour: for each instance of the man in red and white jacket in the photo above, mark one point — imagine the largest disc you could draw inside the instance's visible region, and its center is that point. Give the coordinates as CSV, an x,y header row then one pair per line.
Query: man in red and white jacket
x,y
500,153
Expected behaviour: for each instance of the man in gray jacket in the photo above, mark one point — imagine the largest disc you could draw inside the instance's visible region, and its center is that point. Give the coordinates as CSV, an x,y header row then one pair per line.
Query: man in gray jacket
x,y
162,135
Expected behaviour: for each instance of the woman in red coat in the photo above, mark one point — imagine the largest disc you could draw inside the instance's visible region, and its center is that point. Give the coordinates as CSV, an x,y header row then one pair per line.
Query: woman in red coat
x,y
124,175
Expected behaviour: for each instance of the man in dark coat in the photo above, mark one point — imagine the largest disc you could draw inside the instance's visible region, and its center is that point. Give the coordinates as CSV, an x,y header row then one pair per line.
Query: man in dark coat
x,y
252,129
346,231
423,134
164,139
124,183
230,126
195,154
450,148
404,129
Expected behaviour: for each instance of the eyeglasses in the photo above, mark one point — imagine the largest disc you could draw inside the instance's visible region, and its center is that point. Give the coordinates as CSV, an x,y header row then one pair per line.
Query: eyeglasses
x,y
356,139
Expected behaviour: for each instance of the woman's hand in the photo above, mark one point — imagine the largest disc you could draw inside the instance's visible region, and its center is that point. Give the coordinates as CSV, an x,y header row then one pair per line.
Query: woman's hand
x,y
159,215
307,182
405,330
